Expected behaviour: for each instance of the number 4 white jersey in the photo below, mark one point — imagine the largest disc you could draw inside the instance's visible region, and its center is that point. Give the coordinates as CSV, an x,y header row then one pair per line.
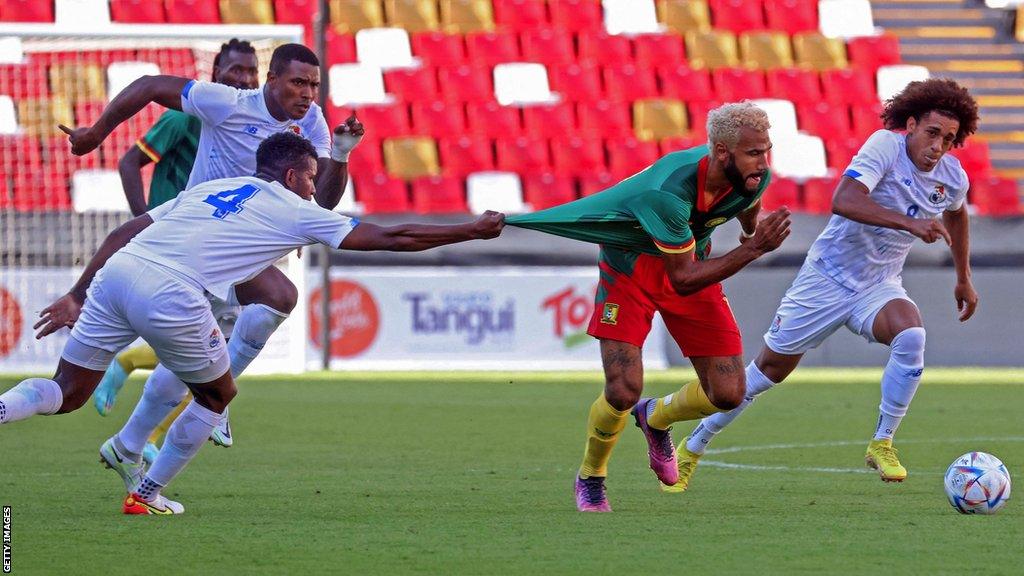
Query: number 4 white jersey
x,y
224,232
860,255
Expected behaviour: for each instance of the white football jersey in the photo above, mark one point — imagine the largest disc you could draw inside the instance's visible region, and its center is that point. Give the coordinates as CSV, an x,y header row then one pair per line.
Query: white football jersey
x,y
234,123
224,232
859,255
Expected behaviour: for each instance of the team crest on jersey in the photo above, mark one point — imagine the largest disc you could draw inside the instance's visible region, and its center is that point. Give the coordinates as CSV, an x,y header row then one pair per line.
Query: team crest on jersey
x,y
251,130
214,338
610,314
776,324
939,195
715,222
295,128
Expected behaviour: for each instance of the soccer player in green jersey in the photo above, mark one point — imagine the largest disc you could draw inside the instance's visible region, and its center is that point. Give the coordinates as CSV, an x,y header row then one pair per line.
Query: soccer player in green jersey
x,y
654,229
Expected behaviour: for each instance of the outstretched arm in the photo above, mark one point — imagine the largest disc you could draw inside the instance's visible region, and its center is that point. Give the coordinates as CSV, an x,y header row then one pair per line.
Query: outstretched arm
x,y
957,222
851,201
416,237
130,168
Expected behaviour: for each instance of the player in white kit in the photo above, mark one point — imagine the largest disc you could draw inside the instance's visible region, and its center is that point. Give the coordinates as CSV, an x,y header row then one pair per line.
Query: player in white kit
x,y
234,122
895,190
152,279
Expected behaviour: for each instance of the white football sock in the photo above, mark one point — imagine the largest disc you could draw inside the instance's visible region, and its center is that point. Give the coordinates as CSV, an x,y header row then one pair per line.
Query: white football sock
x,y
253,328
186,436
900,380
702,435
30,397
162,394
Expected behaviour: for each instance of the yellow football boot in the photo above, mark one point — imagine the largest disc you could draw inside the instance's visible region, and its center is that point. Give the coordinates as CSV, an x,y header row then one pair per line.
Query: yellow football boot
x,y
687,463
882,457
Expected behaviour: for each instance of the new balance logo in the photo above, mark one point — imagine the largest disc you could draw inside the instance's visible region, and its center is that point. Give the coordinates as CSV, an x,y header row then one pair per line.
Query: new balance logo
x,y
915,373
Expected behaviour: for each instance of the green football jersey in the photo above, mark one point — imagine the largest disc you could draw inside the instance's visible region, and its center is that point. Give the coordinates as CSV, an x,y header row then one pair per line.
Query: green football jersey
x,y
171,143
660,210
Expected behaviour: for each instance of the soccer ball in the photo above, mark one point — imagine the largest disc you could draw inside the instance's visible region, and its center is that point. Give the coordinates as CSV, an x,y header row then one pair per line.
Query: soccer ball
x,y
977,483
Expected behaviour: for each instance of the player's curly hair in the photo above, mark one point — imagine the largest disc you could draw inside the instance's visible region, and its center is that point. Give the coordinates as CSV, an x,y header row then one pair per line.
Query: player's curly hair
x,y
233,45
940,95
725,122
282,151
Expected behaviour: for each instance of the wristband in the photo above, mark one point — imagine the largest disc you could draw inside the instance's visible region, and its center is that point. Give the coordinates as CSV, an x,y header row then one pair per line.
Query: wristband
x,y
744,235
343,145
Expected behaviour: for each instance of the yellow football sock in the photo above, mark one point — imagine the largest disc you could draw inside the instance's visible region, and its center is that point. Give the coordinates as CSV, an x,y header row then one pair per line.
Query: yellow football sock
x,y
166,424
689,403
139,358
603,427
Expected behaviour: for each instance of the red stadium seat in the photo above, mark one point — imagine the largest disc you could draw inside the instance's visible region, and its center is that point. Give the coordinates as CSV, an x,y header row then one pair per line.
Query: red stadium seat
x,y
737,15
466,83
699,116
192,11
341,48
382,194
296,12
577,156
438,49
735,84
659,50
438,119
870,52
548,46
596,182
463,155
781,192
630,82
677,143
551,120
866,120
24,81
367,157
20,154
438,195
137,11
412,84
685,83
493,120
792,16
545,190
577,82
818,195
6,198
840,151
975,159
604,119
825,120
797,85
996,197
628,156
57,153
520,14
604,48
849,86
26,11
523,155
492,48
576,15
383,120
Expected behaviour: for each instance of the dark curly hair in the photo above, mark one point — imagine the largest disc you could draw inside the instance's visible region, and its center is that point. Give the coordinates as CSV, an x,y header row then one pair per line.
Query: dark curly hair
x,y
940,95
233,45
282,151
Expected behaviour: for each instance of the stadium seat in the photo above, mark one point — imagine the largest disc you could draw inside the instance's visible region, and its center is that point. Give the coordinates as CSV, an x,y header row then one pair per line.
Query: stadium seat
x,y
629,156
8,119
438,119
75,82
97,191
577,156
682,16
501,191
348,204
544,190
781,192
412,84
894,78
737,15
712,49
781,116
630,82
438,195
20,153
840,151
550,121
439,49
735,84
382,120
464,154
367,157
413,15
596,182
659,50
818,195
490,48
464,16
799,156
520,14
685,83
351,16
548,46
246,12
385,48
341,48
134,11
81,12
791,16
812,50
296,12
699,116
26,11
845,18
493,120
24,81
121,74
382,194
357,84
849,87
871,52
576,15
603,48
656,119
825,120
630,16
43,192
766,50
523,154
41,117
577,82
675,144
974,158
518,83
797,85
866,119
192,11
411,157
997,197
604,119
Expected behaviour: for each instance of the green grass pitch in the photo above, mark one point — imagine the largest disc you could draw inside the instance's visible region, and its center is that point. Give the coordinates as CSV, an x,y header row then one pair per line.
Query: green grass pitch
x,y
451,473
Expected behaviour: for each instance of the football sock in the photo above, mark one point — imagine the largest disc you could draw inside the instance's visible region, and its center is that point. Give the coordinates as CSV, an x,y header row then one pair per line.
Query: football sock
x,y
166,424
186,436
702,435
689,403
162,394
603,428
139,358
253,328
900,379
30,397
148,489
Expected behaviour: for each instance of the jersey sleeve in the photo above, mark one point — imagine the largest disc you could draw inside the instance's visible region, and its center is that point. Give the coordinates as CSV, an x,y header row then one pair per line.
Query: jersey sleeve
x,y
665,217
320,136
876,157
168,132
321,226
210,102
961,193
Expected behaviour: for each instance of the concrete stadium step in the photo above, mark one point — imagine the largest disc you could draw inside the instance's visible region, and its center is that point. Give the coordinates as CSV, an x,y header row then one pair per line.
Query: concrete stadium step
x,y
971,32
1014,65
993,86
960,50
1001,101
1016,136
1002,119
923,4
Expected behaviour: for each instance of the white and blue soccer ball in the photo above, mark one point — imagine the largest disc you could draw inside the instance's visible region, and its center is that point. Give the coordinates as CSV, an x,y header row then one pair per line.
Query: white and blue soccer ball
x,y
977,483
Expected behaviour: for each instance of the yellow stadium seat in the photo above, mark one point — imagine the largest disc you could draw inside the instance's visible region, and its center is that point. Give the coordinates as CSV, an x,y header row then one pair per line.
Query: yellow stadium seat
x,y
246,12
40,117
766,50
413,15
818,52
77,82
350,16
411,157
712,49
657,119
684,16
1020,23
461,16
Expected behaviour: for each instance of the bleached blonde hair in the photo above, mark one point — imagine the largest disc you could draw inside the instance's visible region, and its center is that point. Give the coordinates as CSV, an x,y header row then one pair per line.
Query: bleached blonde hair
x,y
725,122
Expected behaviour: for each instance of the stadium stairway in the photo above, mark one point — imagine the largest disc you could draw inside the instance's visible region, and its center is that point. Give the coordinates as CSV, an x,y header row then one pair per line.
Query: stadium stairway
x,y
973,44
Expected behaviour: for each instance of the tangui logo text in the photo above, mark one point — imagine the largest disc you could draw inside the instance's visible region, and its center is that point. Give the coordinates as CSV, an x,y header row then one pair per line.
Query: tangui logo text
x,y
473,314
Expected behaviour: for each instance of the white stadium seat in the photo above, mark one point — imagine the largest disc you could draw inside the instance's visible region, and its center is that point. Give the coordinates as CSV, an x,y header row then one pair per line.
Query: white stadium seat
x,y
356,84
894,78
781,115
630,17
97,191
845,18
81,13
121,74
385,48
501,191
8,119
348,203
799,156
517,83
11,51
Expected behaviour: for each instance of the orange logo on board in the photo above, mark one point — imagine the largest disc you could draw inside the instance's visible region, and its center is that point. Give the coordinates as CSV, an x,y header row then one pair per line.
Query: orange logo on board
x,y
354,318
